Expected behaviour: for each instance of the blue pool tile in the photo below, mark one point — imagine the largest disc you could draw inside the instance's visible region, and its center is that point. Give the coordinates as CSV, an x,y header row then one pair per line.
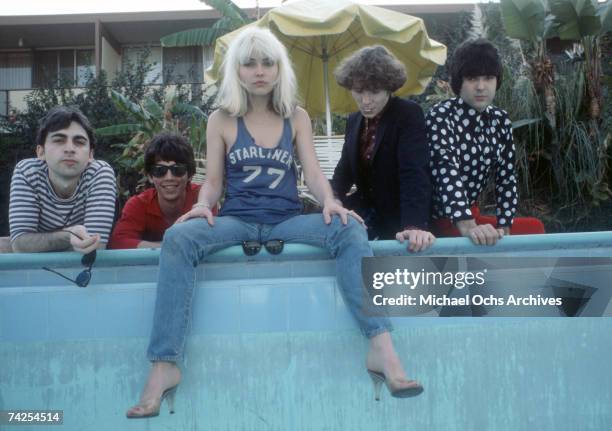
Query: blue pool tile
x,y
14,278
216,310
344,319
138,274
311,307
223,271
72,314
148,305
270,270
45,278
315,268
2,313
120,314
25,317
104,276
263,308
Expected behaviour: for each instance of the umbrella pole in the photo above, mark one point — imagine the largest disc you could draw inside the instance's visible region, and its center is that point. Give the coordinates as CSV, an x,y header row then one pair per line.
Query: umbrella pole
x,y
328,120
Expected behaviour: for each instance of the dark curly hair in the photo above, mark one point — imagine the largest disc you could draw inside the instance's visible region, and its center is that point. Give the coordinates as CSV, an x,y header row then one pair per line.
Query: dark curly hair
x,y
60,117
474,58
372,68
169,147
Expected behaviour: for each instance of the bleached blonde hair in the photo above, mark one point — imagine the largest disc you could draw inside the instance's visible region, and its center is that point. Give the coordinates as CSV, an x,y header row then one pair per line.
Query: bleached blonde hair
x,y
259,43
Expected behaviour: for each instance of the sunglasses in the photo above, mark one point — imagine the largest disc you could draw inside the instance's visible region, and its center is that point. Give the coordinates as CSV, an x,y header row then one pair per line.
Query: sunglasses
x,y
159,171
273,246
84,277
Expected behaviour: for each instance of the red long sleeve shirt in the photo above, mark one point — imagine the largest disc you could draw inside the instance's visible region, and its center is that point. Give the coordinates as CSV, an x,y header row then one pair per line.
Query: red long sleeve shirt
x,y
142,219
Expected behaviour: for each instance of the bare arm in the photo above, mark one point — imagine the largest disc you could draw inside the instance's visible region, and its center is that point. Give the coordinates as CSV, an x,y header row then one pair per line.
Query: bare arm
x,y
74,238
215,170
315,180
37,242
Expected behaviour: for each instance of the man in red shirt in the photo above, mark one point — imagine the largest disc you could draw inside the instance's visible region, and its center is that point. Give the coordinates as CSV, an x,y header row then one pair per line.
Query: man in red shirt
x,y
169,165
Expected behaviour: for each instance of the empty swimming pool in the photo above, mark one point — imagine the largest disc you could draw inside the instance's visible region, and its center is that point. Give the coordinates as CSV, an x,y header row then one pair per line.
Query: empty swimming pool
x,y
272,347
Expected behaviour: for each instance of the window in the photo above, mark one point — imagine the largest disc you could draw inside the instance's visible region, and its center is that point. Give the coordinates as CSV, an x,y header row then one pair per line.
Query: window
x,y
46,68
151,55
3,102
15,70
85,68
183,65
65,67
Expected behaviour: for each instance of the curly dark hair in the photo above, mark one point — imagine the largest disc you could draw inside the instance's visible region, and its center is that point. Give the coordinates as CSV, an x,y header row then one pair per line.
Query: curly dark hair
x,y
169,147
473,58
372,68
60,117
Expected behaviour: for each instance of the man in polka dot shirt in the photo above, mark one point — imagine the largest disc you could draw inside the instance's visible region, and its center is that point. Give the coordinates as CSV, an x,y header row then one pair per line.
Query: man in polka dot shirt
x,y
471,140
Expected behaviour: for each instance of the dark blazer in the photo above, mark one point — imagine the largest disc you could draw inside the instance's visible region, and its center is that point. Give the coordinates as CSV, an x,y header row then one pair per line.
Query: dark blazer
x,y
400,186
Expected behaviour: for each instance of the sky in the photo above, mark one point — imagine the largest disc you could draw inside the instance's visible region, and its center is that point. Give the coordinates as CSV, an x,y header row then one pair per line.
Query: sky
x,y
52,7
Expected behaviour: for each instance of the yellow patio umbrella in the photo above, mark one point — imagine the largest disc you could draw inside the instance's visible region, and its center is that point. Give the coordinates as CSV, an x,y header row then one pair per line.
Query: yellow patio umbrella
x,y
318,34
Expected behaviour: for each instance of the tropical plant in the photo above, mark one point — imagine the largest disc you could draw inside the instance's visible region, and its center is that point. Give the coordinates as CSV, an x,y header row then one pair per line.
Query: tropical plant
x,y
450,34
38,102
148,119
526,20
487,23
232,18
585,144
583,20
573,140
133,80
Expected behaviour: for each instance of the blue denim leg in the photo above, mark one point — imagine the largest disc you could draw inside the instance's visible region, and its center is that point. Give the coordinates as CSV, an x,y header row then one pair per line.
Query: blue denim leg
x,y
185,245
348,244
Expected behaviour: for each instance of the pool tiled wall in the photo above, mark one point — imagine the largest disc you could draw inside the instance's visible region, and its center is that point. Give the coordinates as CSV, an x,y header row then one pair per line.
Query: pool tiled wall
x,y
273,347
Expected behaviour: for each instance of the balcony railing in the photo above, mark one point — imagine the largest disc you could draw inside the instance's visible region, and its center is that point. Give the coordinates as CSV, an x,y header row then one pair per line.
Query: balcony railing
x,y
15,98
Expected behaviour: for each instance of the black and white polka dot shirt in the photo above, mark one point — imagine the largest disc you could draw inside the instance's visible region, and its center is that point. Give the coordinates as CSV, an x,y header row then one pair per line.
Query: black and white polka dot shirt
x,y
466,148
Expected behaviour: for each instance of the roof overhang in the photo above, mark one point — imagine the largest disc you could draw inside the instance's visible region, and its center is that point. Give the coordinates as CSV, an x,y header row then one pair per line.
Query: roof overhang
x,y
52,31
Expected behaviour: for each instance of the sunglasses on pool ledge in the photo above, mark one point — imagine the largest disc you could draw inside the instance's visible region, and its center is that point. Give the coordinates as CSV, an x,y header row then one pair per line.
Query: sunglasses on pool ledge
x,y
84,277
273,246
160,171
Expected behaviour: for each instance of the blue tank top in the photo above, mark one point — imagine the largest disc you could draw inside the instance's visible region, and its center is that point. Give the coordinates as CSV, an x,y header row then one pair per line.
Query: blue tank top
x,y
261,185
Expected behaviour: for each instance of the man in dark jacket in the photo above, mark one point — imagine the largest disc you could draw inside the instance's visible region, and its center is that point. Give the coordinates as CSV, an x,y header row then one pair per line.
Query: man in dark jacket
x,y
385,152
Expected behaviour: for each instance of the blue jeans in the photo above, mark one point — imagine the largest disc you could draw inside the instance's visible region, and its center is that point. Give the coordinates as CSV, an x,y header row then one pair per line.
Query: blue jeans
x,y
186,244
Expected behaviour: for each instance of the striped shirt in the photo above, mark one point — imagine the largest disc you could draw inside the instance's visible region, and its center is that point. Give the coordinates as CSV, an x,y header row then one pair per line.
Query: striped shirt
x,y
36,208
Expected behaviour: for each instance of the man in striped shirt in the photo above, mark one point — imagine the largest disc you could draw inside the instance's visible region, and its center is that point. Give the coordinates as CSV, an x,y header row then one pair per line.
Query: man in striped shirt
x,y
64,199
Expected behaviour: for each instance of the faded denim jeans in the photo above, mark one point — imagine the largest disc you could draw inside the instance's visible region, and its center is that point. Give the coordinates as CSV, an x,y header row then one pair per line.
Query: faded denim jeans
x,y
186,244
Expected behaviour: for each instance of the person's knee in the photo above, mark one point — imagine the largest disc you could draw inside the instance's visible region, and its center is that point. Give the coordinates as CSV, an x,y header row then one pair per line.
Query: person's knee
x,y
353,231
174,232
178,235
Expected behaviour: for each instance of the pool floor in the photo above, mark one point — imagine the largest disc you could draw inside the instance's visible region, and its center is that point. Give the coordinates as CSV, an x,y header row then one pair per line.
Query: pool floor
x,y
548,374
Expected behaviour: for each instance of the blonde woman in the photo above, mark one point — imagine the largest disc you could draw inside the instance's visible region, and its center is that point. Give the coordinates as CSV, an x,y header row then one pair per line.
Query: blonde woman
x,y
250,142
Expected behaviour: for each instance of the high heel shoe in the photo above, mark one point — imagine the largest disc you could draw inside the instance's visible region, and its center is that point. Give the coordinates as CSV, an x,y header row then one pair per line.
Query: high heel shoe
x,y
151,409
414,388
